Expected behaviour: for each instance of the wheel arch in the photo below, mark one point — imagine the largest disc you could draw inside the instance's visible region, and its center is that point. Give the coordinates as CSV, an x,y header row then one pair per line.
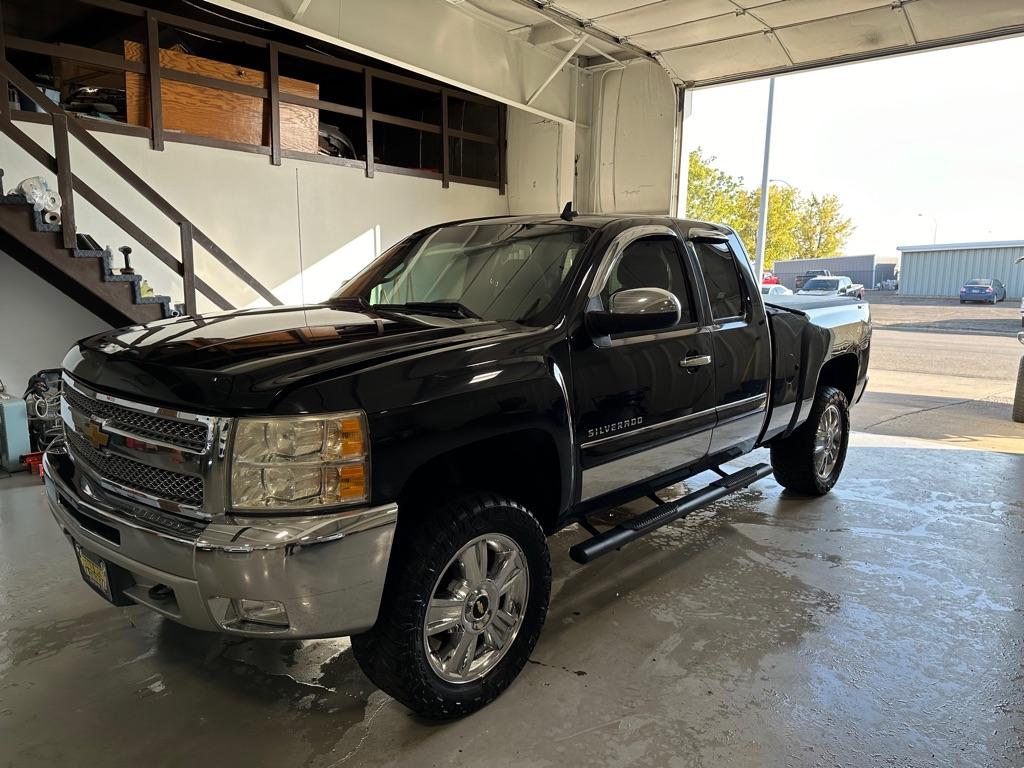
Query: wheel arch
x,y
841,372
529,472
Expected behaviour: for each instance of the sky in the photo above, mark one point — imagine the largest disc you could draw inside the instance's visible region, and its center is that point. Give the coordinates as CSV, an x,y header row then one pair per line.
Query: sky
x,y
939,134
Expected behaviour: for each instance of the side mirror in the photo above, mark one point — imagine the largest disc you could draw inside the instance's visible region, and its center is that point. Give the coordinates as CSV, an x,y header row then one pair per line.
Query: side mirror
x,y
636,309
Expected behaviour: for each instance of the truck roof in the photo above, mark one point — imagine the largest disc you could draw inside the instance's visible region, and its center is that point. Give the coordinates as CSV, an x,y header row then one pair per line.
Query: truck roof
x,y
590,221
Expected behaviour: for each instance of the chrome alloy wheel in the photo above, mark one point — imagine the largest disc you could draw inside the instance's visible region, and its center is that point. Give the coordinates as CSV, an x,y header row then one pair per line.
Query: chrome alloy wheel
x,y
476,608
827,442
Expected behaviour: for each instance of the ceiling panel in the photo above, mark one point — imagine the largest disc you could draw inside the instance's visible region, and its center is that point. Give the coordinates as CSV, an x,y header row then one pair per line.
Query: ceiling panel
x,y
696,32
590,9
939,19
726,57
786,12
853,33
667,13
511,15
704,41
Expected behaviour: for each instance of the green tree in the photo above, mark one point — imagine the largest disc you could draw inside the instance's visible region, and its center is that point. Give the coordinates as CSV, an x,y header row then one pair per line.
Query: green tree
x,y
798,227
822,230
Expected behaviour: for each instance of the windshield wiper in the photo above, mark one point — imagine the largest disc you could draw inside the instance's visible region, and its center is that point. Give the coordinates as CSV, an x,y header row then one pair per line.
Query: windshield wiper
x,y
432,307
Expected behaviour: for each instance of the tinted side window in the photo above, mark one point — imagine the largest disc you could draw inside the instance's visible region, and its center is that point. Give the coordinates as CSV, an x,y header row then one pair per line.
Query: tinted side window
x,y
652,262
725,288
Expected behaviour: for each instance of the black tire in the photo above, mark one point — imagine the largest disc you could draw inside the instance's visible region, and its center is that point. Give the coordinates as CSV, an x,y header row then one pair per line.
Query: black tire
x,y
793,458
1018,396
962,301
393,653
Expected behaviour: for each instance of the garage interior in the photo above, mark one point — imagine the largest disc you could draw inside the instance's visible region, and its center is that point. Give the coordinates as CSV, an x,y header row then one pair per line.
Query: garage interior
x,y
260,153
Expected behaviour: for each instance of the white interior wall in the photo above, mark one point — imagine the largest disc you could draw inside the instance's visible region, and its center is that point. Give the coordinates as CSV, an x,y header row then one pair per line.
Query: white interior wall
x,y
38,324
540,163
275,221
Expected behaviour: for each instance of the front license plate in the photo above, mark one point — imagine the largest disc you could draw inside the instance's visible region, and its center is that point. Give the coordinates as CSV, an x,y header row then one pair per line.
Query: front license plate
x,y
94,571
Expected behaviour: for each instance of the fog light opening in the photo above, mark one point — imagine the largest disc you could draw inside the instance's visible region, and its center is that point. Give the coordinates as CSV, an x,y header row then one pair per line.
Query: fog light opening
x,y
269,613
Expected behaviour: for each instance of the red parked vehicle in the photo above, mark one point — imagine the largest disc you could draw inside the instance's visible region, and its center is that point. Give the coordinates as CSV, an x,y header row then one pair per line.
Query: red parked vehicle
x,y
769,278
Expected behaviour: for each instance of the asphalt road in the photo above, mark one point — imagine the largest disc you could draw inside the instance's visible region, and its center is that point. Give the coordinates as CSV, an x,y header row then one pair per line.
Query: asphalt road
x,y
981,357
952,388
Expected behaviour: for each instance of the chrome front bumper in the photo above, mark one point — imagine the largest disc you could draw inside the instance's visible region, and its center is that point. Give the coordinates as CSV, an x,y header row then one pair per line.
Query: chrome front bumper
x,y
328,571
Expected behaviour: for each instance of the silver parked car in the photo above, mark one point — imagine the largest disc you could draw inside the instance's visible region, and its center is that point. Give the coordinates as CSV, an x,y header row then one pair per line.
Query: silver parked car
x,y
832,286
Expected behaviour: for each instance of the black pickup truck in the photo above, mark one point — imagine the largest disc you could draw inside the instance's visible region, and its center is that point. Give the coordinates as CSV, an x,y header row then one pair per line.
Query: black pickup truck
x,y
388,464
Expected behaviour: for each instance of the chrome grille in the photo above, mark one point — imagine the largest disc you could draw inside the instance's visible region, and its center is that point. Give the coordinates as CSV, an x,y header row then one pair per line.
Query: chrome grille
x,y
192,436
173,486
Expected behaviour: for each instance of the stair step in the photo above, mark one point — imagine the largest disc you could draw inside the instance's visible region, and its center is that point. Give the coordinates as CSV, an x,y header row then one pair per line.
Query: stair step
x,y
89,248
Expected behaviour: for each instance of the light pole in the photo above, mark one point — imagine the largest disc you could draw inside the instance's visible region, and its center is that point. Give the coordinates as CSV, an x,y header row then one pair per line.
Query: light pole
x,y
762,213
782,181
935,226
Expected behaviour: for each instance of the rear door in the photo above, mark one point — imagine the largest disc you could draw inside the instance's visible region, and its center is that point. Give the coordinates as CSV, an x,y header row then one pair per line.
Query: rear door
x,y
644,402
741,350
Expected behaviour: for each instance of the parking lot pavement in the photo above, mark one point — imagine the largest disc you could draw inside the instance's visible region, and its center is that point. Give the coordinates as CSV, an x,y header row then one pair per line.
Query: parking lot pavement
x,y
954,388
889,310
879,625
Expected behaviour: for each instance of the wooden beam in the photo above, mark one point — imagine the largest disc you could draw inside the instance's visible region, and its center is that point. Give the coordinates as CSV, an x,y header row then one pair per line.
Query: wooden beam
x,y
368,78
5,104
446,168
65,185
155,97
76,53
273,80
188,264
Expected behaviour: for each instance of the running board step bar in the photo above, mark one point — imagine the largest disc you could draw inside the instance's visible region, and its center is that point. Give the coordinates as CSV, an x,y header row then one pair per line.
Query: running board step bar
x,y
630,530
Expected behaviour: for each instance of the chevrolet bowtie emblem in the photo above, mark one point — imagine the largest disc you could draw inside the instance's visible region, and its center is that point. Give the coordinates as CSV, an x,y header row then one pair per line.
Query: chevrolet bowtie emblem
x,y
95,435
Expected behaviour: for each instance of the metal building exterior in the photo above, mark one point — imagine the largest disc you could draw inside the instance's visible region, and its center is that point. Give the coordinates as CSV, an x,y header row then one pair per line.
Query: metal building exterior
x,y
868,270
940,270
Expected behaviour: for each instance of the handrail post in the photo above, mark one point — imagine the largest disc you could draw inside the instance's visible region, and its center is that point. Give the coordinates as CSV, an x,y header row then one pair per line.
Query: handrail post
x,y
65,185
156,109
446,169
274,91
188,271
368,114
5,106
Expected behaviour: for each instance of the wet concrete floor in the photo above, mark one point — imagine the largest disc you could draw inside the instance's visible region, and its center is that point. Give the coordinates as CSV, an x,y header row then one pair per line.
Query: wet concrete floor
x,y
882,625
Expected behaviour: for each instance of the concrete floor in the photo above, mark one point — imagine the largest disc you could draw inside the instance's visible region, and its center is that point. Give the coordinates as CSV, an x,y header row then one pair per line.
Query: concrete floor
x,y
880,625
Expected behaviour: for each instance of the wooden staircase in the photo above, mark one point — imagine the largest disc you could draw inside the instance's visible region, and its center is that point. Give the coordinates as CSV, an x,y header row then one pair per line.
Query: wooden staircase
x,y
83,273
72,261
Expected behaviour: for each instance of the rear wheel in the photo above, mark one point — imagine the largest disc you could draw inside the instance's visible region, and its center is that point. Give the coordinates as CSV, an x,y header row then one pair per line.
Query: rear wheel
x,y
1018,398
463,607
811,459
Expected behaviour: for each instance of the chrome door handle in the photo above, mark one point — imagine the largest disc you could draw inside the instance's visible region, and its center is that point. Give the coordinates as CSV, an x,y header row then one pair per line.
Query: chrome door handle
x,y
695,360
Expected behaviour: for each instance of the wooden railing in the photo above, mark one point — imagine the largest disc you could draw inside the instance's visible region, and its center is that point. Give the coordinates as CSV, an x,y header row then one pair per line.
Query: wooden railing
x,y
271,52
68,184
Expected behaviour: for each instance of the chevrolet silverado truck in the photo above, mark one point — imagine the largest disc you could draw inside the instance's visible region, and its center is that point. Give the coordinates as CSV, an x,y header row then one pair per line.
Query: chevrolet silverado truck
x,y
388,464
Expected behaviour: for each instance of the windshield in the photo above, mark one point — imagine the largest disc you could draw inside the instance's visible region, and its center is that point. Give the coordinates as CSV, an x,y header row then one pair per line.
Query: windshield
x,y
979,281
821,284
491,271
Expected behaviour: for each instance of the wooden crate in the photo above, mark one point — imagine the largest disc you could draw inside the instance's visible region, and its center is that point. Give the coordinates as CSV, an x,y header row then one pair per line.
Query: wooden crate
x,y
217,114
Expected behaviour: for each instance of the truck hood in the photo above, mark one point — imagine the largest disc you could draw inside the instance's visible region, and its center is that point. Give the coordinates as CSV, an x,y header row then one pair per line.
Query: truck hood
x,y
247,360
803,292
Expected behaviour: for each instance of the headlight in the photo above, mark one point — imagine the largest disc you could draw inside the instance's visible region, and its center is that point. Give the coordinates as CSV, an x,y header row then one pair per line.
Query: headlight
x,y
300,462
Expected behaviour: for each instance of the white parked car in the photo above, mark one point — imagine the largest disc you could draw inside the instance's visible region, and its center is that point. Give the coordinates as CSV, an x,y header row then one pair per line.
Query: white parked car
x,y
775,290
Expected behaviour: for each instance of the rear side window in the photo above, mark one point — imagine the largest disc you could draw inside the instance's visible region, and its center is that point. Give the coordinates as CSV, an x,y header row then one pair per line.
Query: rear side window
x,y
652,262
722,278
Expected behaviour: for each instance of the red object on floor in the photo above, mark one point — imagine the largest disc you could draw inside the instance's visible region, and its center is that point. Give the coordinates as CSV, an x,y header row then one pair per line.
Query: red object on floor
x,y
34,461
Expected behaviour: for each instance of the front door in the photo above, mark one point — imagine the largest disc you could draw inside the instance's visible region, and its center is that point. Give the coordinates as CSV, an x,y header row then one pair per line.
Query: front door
x,y
644,402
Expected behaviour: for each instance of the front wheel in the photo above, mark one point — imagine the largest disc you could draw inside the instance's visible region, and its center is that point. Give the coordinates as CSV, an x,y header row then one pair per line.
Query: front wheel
x,y
463,607
811,459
